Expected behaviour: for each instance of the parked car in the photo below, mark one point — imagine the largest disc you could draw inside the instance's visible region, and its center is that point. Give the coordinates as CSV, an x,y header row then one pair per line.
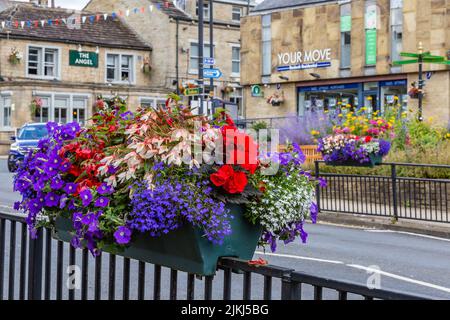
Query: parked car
x,y
27,138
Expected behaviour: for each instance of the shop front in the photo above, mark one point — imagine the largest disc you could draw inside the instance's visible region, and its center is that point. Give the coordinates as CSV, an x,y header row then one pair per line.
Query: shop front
x,y
373,95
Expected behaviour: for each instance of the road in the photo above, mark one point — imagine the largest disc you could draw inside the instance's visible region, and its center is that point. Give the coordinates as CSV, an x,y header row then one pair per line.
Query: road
x,y
410,263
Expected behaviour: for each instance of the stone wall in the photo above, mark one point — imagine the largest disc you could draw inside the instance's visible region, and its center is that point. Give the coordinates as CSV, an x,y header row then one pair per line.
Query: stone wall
x,y
318,27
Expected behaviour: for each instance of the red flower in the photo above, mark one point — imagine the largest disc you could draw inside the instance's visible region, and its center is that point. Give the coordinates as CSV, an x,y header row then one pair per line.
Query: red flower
x,y
368,139
221,177
232,181
237,183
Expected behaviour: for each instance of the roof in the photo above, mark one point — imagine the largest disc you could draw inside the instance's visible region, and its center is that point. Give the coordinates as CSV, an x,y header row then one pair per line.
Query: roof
x,y
112,33
285,4
169,9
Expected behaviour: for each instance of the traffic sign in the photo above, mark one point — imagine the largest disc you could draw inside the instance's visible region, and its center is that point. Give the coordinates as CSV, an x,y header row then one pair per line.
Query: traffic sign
x,y
192,91
209,61
212,73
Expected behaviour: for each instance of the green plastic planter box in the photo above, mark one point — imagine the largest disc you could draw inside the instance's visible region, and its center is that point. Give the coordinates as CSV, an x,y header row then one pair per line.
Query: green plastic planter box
x,y
375,160
186,249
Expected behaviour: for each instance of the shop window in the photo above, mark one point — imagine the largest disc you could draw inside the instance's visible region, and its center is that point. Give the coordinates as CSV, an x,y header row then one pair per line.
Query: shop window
x,y
236,60
266,45
5,110
42,62
119,68
194,57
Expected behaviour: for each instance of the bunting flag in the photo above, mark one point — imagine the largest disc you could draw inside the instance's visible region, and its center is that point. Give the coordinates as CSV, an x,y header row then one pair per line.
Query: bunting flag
x,y
82,19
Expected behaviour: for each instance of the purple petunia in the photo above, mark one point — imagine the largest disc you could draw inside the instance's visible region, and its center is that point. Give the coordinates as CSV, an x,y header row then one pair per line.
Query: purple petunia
x,y
102,202
314,212
123,235
57,183
86,197
70,188
104,189
52,200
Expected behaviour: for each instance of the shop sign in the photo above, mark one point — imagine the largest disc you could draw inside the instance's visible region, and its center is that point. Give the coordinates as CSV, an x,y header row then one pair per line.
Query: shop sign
x,y
330,87
394,83
83,59
256,91
302,60
346,23
371,47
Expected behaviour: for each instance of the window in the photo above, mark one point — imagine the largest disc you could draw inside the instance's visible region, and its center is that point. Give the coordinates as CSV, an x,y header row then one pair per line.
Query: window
x,y
346,35
236,60
237,98
119,68
5,110
236,14
194,56
42,114
205,10
62,108
79,106
266,45
153,103
43,62
396,29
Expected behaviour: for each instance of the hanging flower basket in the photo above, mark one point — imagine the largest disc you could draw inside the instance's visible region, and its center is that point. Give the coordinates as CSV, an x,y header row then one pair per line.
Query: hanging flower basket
x,y
36,105
142,185
146,66
15,57
353,151
186,249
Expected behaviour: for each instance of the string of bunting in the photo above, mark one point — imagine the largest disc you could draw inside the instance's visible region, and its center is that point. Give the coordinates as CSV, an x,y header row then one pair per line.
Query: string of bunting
x,y
82,19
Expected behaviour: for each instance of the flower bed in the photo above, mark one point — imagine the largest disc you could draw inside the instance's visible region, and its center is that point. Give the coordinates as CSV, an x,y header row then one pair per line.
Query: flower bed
x,y
147,184
353,150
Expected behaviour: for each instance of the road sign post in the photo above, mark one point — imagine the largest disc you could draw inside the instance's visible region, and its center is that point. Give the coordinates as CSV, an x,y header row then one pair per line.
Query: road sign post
x,y
420,58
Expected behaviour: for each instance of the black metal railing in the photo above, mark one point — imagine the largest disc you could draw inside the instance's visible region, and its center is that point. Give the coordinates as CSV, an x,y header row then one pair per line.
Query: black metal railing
x,y
390,196
45,268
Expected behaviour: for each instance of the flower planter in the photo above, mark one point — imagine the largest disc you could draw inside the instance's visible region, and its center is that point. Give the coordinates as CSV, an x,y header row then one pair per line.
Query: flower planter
x,y
186,249
374,161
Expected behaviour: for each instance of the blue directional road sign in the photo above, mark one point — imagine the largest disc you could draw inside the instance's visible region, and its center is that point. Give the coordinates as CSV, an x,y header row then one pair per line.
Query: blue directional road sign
x,y
212,73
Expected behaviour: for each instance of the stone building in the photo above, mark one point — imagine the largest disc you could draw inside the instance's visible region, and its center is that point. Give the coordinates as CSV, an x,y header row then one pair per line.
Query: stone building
x,y
66,65
305,55
173,33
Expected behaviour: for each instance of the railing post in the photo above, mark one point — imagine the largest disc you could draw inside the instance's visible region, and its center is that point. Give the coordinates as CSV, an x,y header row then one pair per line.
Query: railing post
x,y
290,290
394,190
317,166
35,264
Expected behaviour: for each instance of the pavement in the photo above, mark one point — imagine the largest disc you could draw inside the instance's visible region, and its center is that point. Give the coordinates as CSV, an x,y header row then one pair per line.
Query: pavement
x,y
404,261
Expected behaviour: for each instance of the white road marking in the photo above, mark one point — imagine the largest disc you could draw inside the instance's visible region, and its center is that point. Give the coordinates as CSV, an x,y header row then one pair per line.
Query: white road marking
x,y
394,276
299,257
408,233
355,266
